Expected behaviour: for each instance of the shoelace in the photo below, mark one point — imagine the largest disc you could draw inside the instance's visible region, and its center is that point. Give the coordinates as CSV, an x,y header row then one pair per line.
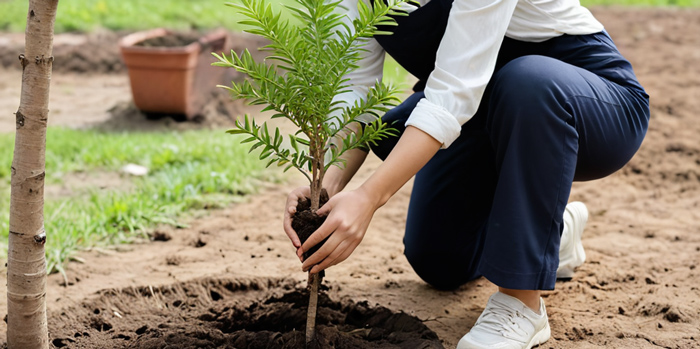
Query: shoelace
x,y
500,318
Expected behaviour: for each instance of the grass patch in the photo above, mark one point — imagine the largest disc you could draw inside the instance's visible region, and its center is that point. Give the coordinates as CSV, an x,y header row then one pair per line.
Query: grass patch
x,y
187,171
87,15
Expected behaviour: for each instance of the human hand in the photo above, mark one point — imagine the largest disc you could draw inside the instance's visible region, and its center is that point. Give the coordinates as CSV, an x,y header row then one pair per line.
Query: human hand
x,y
300,193
349,215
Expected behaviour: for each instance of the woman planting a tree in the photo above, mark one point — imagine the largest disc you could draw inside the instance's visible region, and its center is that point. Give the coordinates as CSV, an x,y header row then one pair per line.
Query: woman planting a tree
x,y
515,100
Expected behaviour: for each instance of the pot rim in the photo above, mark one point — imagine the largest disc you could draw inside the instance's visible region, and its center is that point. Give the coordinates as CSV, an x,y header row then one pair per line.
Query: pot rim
x,y
128,42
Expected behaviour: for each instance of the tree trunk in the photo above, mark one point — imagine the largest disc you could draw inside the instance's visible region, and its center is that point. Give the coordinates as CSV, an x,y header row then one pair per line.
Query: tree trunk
x,y
26,259
314,282
318,171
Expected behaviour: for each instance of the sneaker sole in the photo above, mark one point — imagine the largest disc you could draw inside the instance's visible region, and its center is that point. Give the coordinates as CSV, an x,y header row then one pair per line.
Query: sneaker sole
x,y
540,337
565,273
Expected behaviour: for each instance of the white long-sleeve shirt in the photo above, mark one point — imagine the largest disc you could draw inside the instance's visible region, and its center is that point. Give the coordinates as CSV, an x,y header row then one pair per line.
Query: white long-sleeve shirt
x,y
467,55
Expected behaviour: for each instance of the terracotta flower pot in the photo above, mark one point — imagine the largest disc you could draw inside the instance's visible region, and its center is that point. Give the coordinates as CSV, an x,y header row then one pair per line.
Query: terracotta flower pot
x,y
172,80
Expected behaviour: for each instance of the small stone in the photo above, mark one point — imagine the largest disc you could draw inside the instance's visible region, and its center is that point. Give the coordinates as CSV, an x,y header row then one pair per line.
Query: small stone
x,y
135,170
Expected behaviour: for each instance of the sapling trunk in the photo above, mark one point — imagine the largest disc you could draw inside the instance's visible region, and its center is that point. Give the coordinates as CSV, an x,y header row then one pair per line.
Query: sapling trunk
x,y
314,282
316,185
318,171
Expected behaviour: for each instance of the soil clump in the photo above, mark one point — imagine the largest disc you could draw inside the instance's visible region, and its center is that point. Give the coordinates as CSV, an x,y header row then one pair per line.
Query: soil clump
x,y
305,222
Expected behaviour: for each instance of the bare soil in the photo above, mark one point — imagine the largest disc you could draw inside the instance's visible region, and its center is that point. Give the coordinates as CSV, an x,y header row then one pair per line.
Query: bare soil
x,y
222,313
638,288
98,52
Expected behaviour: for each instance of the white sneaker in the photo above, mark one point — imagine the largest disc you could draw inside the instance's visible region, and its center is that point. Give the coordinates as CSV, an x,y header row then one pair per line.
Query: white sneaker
x,y
571,253
507,323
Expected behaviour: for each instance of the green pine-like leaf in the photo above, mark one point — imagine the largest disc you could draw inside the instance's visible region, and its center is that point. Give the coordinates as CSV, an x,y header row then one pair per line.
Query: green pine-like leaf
x,y
305,70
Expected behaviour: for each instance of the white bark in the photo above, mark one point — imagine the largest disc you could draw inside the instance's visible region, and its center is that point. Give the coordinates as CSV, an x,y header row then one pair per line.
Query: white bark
x,y
26,261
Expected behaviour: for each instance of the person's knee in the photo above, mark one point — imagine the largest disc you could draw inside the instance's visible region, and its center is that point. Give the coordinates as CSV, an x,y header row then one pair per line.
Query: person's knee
x,y
528,93
439,270
526,81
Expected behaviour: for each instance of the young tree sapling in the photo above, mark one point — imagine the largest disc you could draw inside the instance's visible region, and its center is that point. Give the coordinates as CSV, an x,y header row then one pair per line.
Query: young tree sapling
x,y
302,80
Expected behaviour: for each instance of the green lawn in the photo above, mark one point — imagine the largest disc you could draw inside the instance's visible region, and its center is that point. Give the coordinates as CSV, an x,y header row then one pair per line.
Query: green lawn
x,y
187,171
86,15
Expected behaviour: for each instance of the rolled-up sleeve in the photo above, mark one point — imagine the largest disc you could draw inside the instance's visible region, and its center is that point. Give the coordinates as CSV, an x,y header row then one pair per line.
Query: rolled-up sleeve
x,y
465,62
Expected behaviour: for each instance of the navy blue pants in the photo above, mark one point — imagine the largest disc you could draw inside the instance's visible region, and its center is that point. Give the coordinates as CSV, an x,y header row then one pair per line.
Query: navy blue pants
x,y
492,204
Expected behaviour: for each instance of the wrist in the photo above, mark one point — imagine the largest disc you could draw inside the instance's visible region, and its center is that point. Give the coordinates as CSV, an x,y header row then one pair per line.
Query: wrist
x,y
337,178
375,195
414,149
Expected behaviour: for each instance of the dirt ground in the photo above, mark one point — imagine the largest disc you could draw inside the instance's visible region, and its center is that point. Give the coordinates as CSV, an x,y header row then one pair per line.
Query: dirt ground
x,y
639,287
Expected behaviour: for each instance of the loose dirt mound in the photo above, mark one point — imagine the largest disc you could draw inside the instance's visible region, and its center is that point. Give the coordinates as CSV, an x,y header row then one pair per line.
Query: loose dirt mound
x,y
219,313
219,111
94,53
99,52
